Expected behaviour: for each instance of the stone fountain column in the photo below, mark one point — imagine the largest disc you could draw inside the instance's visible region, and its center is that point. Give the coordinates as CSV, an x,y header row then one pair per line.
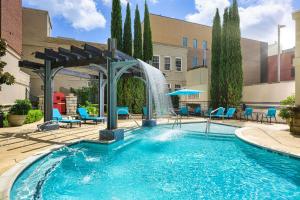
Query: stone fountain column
x,y
295,124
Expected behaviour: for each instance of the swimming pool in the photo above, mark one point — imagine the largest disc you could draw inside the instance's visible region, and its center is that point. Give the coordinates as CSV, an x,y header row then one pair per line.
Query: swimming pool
x,y
161,163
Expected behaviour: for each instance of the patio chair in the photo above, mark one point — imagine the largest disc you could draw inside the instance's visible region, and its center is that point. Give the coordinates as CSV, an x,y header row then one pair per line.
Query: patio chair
x,y
197,111
184,111
207,113
271,113
84,116
219,114
58,117
123,111
247,113
230,113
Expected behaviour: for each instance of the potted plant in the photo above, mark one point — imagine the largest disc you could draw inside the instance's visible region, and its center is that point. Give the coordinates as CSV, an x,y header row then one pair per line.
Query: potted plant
x,y
18,112
286,111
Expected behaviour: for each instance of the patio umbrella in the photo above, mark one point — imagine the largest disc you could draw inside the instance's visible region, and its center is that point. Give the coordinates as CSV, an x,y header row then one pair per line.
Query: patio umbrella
x,y
185,92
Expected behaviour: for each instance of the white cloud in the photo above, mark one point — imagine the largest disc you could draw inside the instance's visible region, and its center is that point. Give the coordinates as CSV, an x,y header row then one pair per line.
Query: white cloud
x,y
259,19
82,14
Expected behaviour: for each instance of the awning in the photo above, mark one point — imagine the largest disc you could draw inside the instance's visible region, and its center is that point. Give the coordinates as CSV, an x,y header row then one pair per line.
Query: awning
x,y
185,92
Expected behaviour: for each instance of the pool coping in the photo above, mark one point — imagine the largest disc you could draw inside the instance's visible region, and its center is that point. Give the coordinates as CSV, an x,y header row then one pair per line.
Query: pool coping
x,y
239,135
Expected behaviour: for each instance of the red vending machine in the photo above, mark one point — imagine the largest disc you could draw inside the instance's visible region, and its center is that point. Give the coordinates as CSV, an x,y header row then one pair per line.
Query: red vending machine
x,y
59,102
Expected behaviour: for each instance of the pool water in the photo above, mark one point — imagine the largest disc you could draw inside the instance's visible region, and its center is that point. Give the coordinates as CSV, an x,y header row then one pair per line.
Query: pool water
x,y
161,163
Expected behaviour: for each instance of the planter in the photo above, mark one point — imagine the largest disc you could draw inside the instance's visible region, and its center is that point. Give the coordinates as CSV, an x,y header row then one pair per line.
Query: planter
x,y
16,120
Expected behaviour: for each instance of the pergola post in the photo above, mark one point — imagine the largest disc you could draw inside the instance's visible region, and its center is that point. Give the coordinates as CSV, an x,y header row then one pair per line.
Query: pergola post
x,y
48,99
111,133
101,95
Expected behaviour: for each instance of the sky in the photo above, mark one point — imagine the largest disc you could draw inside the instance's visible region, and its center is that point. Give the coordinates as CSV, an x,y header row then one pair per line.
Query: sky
x,y
89,20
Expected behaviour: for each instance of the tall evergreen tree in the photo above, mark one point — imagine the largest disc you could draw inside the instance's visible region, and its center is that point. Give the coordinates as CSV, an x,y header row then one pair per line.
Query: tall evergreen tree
x,y
127,37
148,46
235,79
215,60
116,23
138,45
223,71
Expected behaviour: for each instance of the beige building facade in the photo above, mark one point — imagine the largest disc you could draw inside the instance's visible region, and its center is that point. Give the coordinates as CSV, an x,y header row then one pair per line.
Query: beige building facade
x,y
296,17
36,37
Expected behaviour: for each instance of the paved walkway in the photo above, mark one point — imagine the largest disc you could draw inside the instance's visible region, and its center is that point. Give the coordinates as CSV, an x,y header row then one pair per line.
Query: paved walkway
x,y
16,144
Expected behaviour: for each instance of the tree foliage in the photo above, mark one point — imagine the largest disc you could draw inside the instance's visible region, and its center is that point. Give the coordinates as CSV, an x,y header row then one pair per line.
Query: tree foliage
x,y
127,37
138,44
215,60
5,77
231,71
116,23
147,43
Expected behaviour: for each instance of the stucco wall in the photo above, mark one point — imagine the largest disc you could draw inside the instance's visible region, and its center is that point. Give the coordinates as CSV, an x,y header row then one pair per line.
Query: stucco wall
x,y
296,17
20,89
173,77
268,93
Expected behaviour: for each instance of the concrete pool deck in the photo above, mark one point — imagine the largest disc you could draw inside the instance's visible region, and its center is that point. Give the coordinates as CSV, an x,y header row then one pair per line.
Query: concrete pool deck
x,y
19,143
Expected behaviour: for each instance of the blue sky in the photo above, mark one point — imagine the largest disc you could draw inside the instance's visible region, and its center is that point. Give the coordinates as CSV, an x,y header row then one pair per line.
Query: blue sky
x,y
89,20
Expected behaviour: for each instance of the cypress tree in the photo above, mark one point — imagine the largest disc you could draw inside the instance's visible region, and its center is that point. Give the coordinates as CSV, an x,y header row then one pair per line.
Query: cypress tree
x,y
223,75
127,37
116,23
148,46
215,61
138,46
235,79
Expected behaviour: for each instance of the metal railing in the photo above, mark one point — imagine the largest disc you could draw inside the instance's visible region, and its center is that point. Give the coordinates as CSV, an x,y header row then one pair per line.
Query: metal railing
x,y
208,121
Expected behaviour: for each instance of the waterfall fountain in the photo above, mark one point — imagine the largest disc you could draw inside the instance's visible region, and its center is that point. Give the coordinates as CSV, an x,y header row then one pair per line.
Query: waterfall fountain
x,y
158,86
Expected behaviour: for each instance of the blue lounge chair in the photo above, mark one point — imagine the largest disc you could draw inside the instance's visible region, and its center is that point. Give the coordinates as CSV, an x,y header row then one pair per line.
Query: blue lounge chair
x,y
123,111
271,113
207,113
219,114
248,113
84,116
230,113
197,111
184,111
58,117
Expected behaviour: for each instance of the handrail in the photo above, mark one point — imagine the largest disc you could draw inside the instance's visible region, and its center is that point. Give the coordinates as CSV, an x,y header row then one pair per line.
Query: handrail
x,y
207,129
129,114
177,121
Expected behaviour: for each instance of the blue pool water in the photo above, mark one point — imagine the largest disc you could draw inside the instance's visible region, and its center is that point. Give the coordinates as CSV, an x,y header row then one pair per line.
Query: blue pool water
x,y
162,163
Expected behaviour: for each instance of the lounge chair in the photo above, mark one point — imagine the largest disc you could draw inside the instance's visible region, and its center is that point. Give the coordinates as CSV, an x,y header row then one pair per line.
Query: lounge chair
x,y
184,111
58,117
219,114
123,111
271,113
207,113
230,113
247,113
84,116
197,111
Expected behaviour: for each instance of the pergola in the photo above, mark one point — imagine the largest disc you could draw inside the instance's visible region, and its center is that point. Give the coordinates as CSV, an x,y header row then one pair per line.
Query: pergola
x,y
106,66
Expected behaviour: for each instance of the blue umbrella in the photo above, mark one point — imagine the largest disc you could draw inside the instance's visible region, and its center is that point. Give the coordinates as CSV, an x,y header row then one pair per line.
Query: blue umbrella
x,y
185,92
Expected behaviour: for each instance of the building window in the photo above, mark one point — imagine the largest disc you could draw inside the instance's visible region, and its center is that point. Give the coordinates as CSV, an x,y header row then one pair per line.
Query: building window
x,y
195,61
185,42
195,44
155,62
169,86
178,63
167,63
204,49
293,72
177,87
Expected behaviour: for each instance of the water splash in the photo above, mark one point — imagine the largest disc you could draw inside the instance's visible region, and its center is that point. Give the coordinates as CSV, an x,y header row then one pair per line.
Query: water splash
x,y
168,135
159,89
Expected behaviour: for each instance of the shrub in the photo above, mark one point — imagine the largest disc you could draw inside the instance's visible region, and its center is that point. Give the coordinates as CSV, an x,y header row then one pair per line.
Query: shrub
x,y
286,112
91,108
33,116
5,121
21,107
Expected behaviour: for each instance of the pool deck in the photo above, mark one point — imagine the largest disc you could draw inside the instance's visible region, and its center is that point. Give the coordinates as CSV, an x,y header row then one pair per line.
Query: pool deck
x,y
19,143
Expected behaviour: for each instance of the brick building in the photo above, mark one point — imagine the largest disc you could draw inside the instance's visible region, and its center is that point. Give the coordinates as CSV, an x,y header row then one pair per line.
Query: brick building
x,y
287,70
11,31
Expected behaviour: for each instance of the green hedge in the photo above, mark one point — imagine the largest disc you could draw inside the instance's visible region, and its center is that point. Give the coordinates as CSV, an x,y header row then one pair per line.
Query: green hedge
x,y
33,116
